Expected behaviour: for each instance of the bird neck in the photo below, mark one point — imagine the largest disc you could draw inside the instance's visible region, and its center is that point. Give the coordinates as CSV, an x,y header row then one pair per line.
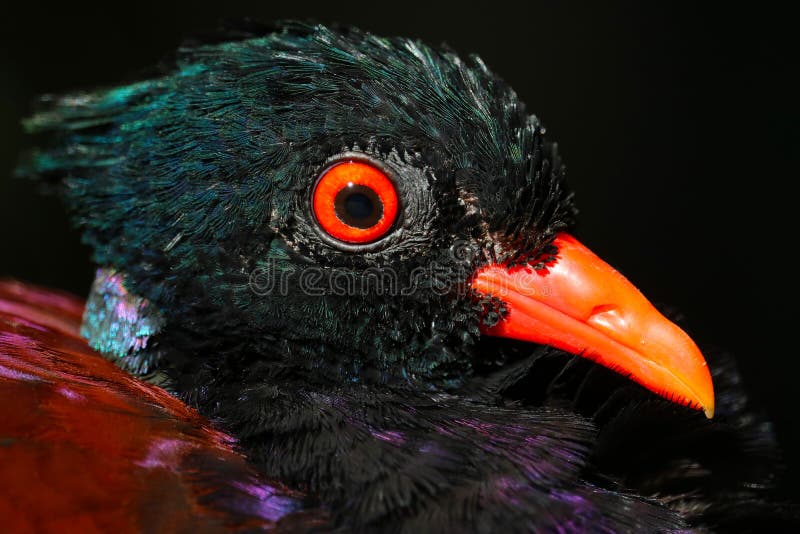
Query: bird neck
x,y
120,324
136,335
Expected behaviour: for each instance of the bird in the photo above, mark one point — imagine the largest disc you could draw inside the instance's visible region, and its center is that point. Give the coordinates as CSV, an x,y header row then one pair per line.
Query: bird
x,y
336,291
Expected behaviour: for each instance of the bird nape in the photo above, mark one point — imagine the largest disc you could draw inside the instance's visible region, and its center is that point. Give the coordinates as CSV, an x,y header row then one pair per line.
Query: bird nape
x,y
351,253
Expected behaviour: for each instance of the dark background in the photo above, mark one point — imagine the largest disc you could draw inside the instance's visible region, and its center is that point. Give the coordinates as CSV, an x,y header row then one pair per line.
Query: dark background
x,y
678,125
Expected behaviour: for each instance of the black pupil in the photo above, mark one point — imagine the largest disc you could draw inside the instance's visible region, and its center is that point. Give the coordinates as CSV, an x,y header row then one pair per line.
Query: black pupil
x,y
358,206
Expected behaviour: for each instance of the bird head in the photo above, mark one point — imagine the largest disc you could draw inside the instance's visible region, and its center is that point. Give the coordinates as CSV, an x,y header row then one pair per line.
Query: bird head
x,y
359,207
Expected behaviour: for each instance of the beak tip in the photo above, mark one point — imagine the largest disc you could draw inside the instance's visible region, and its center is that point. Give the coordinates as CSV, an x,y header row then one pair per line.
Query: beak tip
x,y
704,391
707,398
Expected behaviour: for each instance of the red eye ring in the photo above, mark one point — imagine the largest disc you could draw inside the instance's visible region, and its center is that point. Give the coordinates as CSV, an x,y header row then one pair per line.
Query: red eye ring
x,y
355,202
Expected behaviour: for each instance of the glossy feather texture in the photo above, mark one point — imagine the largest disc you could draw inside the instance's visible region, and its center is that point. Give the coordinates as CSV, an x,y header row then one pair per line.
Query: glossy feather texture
x,y
86,447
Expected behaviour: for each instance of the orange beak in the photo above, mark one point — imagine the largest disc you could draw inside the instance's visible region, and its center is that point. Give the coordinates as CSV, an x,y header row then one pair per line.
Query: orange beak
x,y
581,305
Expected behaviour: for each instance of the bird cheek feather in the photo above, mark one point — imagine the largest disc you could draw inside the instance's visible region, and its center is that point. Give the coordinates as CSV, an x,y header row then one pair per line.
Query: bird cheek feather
x,y
580,304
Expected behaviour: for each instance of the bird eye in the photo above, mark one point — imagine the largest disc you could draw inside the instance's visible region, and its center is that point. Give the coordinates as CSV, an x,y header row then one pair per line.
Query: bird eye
x,y
355,202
